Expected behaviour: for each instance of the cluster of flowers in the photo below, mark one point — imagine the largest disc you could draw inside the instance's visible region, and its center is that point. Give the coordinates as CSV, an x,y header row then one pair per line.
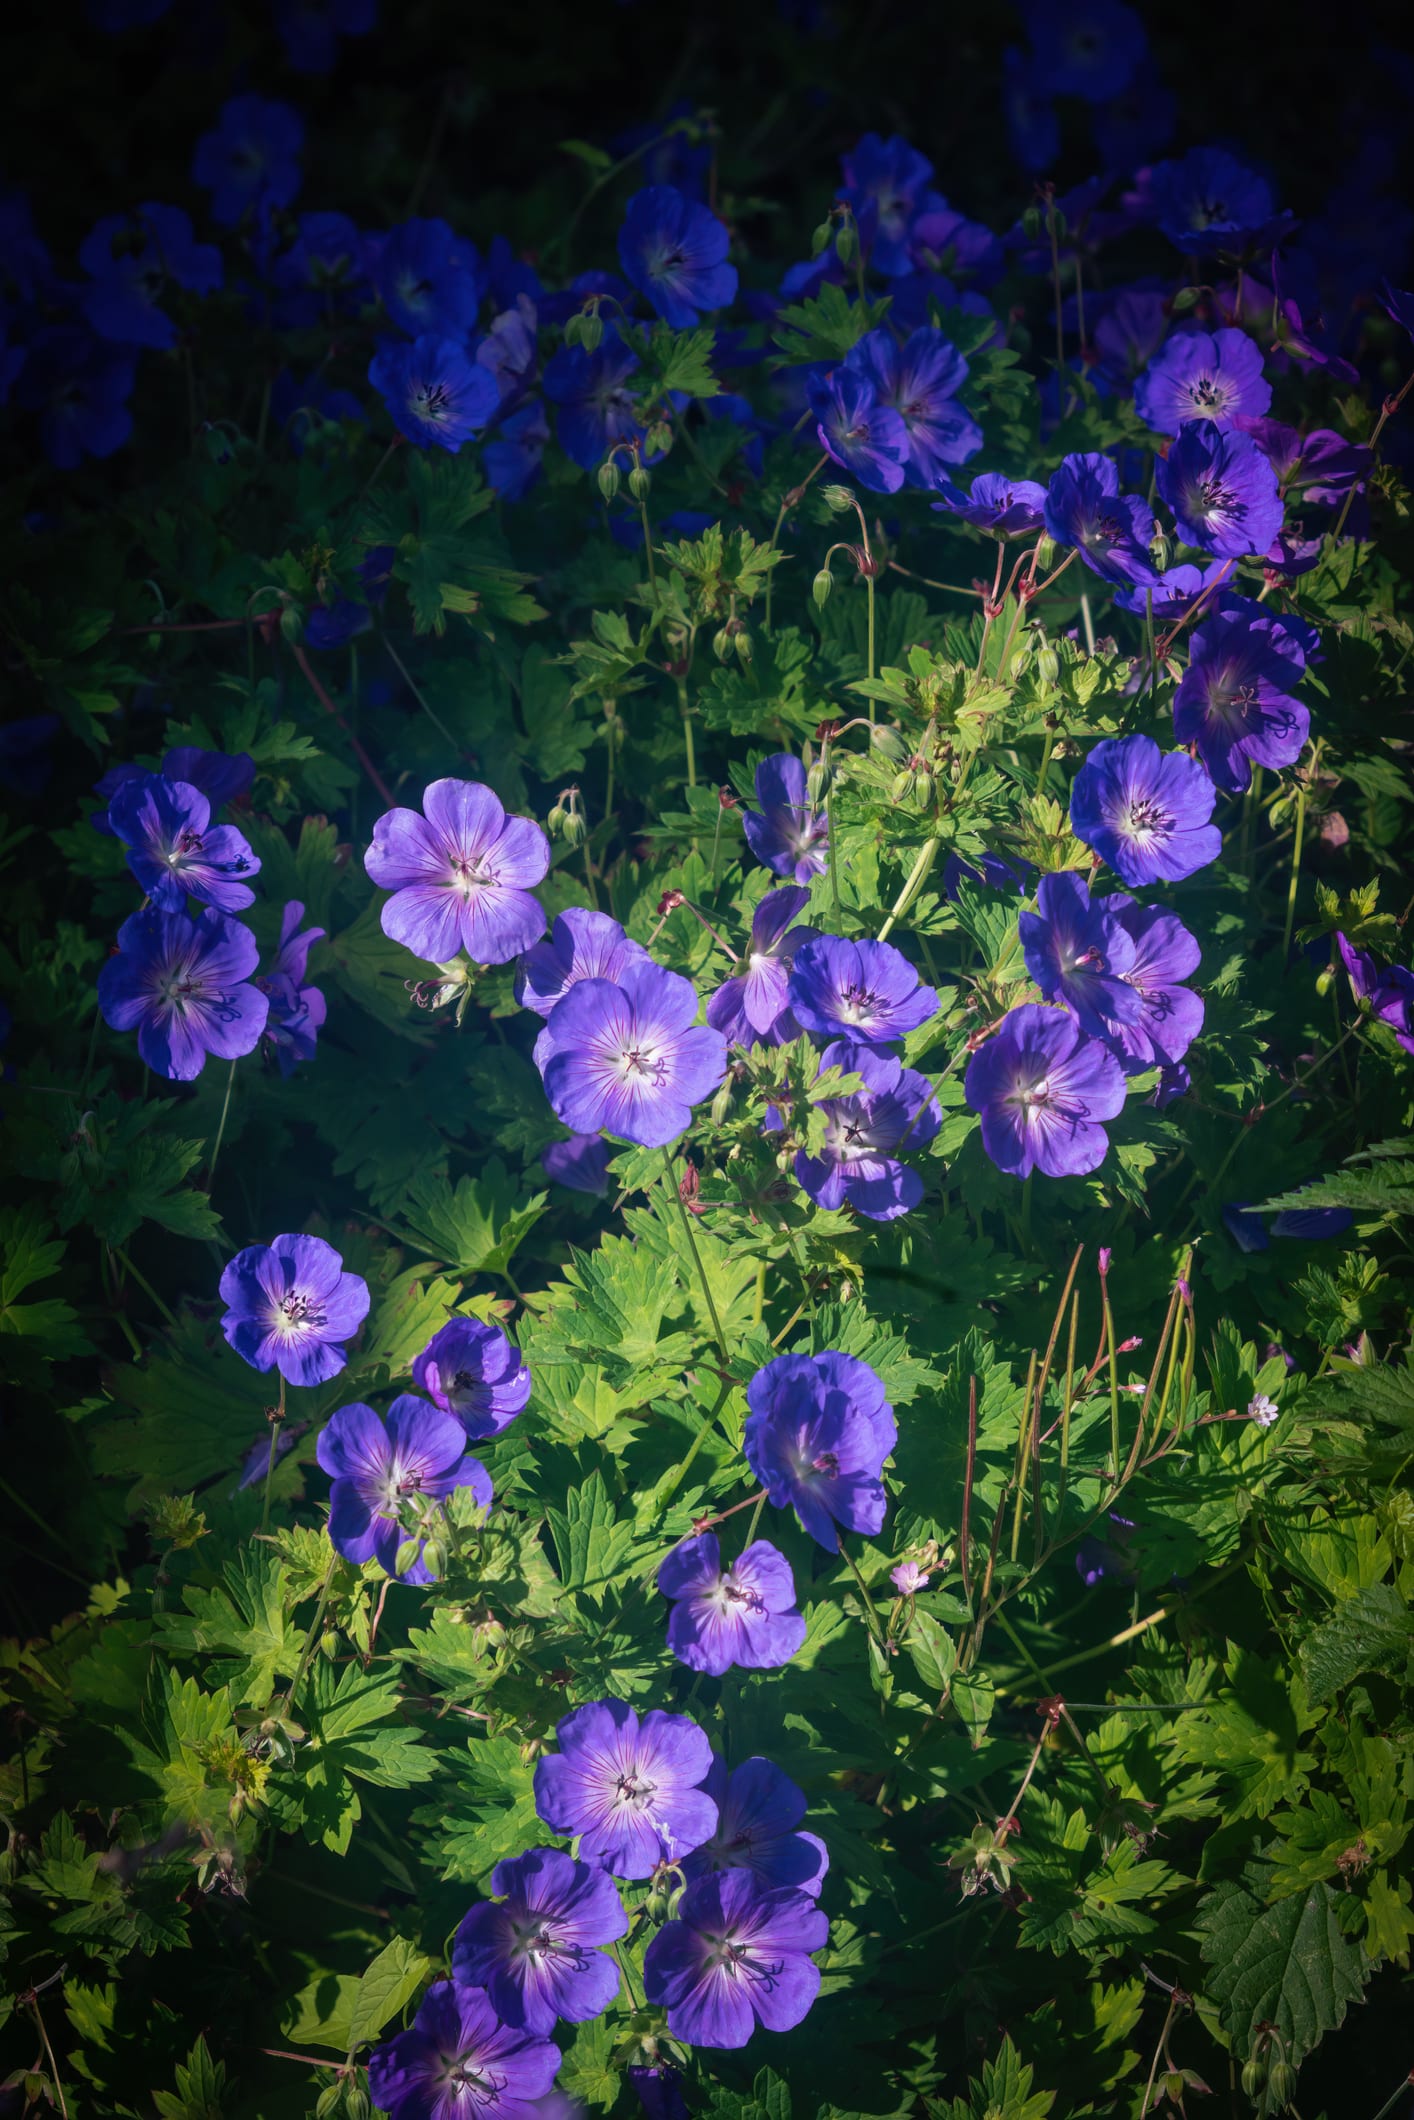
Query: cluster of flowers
x,y
721,1852
189,982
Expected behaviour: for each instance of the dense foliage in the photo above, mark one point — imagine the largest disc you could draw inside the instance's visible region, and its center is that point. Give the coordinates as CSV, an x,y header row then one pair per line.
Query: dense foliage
x,y
707,1102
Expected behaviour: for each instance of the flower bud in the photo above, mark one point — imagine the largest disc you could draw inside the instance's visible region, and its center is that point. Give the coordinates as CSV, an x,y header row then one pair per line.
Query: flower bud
x,y
721,1103
1254,2076
291,622
889,740
903,786
639,482
741,641
1057,224
1161,551
591,330
357,2105
837,498
1031,223
574,328
555,822
1048,665
434,1558
1281,2086
609,479
575,829
1173,2085
847,241
1045,555
722,643
819,780
821,238
408,1550
328,1642
820,588
1186,298
329,2101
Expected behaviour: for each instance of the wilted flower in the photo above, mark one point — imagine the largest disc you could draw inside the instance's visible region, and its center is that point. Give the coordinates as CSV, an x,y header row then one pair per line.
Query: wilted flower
x,y
1005,506
631,1790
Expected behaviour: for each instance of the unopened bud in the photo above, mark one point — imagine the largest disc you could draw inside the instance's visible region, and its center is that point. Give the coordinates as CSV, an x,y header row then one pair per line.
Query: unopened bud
x,y
574,328
434,1558
328,1642
1031,223
639,482
721,1103
1186,298
821,238
356,2102
722,643
1254,2076
555,822
1047,665
837,498
820,588
847,241
408,1550
1057,224
1161,551
903,786
1281,2086
741,641
819,780
609,479
591,330
291,623
1045,555
575,829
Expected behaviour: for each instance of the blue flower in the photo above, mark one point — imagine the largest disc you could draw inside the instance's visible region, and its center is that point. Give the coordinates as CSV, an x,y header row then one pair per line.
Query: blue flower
x,y
131,259
1170,1016
1234,701
461,873
817,1434
458,2061
535,1946
322,273
183,986
1221,489
751,1008
381,1469
866,992
297,1011
175,852
630,1788
1041,1089
250,159
1087,48
743,1614
430,278
80,386
865,1133
787,834
221,778
471,1370
1078,953
1210,201
920,381
674,250
308,409
1031,122
1203,375
759,1809
512,458
1008,507
437,395
628,1059
861,434
581,1163
595,408
886,183
292,1307
310,29
735,1957
1110,530
1148,814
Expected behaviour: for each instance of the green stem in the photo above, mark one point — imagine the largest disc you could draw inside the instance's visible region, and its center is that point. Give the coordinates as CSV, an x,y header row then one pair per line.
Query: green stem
x,y
691,1236
310,1640
407,677
143,1283
275,1427
834,867
1387,412
872,1620
666,1494
1291,888
869,585
917,876
221,1128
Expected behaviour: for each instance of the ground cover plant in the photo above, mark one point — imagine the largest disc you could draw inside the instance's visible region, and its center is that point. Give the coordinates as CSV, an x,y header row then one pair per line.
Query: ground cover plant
x,y
707,1082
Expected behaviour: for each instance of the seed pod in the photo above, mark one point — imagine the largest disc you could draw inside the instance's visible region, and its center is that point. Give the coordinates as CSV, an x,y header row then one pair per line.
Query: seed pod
x,y
639,482
609,479
820,588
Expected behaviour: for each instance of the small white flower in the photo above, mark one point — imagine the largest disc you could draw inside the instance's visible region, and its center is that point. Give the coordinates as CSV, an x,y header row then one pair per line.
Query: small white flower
x,y
1262,1410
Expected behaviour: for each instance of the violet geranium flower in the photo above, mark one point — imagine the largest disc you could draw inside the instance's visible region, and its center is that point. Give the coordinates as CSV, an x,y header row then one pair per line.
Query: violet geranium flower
x,y
297,1011
734,1958
581,945
1209,201
866,1132
1221,489
920,380
866,992
183,986
631,1790
1042,1089
436,394
534,1948
1109,529
674,250
581,1163
787,834
458,2061
461,875
175,851
858,431
628,1059
379,1467
1078,953
1202,375
1146,813
817,1434
744,1613
758,1811
472,1371
752,1008
1170,1016
1234,701
291,1307
1005,506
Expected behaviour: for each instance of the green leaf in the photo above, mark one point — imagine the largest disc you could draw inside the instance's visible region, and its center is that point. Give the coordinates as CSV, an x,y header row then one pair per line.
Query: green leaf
x,y
1290,1965
201,2083
1373,1632
391,1980
478,1227
591,1545
934,1652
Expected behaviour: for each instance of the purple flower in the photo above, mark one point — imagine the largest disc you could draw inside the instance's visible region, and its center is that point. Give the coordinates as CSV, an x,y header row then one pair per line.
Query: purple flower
x,y
535,1948
431,280
457,2061
752,1008
472,1371
1310,1224
909,1578
1175,592
512,460
866,992
631,1790
674,250
1146,812
1203,376
1170,1017
1110,530
1234,700
1087,48
131,260
1005,506
79,385
758,1811
659,2092
1247,1230
885,184
591,390
864,1133
329,626
743,1614
173,849
181,985
310,30
1041,1087
920,381
461,875
581,945
787,834
992,872
627,1058
816,1437
1209,201
435,392
581,1163
1129,333
250,159
297,1011
1221,489
378,1468
1078,953
291,1307
858,432
735,1957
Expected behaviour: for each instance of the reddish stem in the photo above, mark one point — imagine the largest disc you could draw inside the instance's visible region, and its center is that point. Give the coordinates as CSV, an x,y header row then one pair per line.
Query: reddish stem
x,y
307,671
